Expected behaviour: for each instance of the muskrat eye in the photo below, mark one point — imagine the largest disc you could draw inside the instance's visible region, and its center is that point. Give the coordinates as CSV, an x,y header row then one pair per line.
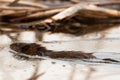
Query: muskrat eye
x,y
41,53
